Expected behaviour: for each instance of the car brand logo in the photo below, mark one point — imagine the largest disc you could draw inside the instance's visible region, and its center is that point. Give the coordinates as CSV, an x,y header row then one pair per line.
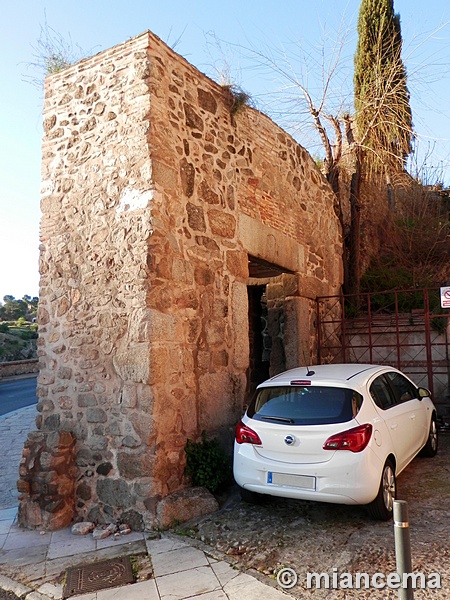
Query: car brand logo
x,y
289,440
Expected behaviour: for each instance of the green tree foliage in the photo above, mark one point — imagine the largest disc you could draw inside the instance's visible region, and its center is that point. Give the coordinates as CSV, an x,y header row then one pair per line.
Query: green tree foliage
x,y
12,309
383,112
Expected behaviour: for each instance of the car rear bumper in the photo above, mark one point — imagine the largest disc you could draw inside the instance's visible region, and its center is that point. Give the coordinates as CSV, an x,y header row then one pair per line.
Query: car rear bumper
x,y
347,478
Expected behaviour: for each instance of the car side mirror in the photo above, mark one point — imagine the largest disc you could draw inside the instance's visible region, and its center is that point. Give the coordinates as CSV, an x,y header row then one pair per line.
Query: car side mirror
x,y
424,393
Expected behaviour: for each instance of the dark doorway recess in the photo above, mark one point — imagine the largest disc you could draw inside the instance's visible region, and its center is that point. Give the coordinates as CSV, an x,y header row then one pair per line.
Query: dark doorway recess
x,y
260,341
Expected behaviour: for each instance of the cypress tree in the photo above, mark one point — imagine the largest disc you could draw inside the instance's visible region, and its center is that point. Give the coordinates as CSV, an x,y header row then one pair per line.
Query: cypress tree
x,y
383,113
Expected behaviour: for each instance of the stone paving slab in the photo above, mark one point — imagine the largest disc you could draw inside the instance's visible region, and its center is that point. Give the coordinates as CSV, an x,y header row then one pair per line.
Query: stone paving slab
x,y
139,591
199,580
224,572
20,557
175,561
146,590
245,586
66,544
155,547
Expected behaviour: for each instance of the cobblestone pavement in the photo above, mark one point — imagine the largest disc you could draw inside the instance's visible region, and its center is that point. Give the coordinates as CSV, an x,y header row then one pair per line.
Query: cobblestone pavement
x,y
14,428
315,537
4,595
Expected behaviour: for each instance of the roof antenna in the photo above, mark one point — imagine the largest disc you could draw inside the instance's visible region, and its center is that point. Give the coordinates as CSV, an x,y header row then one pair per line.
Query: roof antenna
x,y
308,372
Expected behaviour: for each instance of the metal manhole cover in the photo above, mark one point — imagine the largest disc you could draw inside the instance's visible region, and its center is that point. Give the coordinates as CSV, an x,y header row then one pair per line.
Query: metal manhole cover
x,y
98,576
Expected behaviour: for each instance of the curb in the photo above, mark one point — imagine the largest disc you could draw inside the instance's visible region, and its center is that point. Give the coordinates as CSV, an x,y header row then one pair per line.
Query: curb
x,y
12,378
10,585
9,378
17,410
22,591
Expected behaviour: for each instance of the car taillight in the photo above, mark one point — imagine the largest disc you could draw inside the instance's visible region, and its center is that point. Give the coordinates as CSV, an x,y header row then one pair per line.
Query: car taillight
x,y
355,439
245,435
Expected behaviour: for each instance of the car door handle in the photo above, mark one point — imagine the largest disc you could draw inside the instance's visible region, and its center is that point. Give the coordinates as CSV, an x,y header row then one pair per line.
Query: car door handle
x,y
412,417
394,426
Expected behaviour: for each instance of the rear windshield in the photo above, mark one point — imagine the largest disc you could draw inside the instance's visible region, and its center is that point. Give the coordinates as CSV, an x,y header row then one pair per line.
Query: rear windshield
x,y
305,405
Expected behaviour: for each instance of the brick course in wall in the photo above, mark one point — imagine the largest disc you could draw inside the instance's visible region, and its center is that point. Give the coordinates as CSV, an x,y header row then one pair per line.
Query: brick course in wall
x,y
154,196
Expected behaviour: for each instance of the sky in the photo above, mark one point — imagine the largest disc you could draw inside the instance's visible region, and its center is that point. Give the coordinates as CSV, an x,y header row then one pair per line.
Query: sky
x,y
223,40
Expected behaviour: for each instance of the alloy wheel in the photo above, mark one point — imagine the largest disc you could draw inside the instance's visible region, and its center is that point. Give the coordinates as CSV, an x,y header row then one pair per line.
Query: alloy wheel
x,y
388,487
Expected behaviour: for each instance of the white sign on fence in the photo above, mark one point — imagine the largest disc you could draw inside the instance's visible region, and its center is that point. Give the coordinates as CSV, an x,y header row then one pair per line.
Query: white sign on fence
x,y
445,297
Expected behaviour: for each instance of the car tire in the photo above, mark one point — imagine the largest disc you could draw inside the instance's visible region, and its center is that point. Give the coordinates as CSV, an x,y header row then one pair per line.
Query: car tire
x,y
382,507
431,447
252,497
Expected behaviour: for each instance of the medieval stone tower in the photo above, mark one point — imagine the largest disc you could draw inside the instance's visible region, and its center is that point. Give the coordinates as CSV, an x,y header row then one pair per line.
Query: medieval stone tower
x,y
168,222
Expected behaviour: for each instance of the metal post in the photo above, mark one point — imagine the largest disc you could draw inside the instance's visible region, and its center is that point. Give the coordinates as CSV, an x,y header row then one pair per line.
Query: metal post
x,y
403,547
426,303
369,317
343,332
397,332
319,336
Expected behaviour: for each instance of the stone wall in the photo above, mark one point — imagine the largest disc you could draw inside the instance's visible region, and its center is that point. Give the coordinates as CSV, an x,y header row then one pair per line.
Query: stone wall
x,y
14,368
46,484
154,197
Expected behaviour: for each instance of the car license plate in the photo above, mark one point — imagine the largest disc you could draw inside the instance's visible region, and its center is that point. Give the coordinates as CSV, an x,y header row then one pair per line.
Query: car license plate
x,y
298,481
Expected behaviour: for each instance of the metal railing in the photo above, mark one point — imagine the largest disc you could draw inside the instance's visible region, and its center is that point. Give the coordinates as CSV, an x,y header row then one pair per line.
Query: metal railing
x,y
404,328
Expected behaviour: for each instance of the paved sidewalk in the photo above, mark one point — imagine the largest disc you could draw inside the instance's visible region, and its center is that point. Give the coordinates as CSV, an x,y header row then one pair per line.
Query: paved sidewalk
x,y
180,570
14,428
38,559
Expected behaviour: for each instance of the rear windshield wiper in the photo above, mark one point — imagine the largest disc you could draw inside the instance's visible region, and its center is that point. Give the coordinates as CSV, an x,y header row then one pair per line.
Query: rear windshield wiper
x,y
281,419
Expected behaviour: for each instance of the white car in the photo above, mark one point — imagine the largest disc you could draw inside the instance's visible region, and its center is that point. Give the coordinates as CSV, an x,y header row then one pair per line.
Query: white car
x,y
333,433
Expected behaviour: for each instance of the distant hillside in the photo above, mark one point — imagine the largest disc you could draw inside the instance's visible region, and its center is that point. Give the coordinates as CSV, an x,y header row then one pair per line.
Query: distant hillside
x,y
18,340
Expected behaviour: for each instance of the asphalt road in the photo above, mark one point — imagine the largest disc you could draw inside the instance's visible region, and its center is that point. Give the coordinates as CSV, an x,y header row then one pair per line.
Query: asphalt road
x,y
16,394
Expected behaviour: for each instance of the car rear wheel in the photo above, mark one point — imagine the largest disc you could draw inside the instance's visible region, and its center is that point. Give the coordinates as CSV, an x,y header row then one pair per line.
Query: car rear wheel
x,y
382,507
431,447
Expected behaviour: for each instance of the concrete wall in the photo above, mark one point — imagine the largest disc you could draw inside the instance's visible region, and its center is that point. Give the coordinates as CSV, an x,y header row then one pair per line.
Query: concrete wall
x,y
154,195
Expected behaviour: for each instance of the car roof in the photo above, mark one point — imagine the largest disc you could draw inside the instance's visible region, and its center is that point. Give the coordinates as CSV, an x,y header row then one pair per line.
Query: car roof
x,y
333,374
